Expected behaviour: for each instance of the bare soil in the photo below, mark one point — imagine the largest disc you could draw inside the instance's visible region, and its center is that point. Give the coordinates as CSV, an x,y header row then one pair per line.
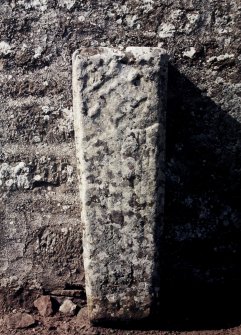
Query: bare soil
x,y
79,325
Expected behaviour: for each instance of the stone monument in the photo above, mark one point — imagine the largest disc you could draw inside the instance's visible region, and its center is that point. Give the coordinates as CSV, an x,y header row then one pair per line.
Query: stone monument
x,y
119,115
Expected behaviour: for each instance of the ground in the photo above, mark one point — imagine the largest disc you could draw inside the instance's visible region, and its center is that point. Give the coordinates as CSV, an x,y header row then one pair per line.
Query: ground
x,y
79,325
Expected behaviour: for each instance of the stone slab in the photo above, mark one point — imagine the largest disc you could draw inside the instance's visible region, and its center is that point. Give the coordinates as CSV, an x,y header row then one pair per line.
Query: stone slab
x,y
119,115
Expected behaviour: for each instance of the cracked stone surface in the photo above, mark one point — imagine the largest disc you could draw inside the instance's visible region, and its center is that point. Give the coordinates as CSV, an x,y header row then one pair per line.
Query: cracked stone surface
x,y
119,115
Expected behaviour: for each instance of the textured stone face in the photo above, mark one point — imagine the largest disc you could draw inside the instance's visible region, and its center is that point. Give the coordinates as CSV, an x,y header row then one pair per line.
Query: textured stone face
x,y
40,239
119,113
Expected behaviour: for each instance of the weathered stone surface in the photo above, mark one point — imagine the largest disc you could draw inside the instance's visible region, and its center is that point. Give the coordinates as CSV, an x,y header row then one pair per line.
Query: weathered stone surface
x,y
44,304
40,240
19,320
119,112
68,307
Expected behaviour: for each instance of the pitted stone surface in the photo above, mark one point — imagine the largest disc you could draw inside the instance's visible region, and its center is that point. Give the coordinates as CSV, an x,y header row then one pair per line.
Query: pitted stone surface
x,y
119,114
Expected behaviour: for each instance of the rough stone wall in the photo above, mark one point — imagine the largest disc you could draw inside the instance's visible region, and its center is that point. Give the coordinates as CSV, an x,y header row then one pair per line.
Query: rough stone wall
x,y
40,240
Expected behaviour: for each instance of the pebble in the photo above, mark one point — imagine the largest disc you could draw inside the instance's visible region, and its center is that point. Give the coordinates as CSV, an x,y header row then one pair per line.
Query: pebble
x,y
44,305
19,320
68,307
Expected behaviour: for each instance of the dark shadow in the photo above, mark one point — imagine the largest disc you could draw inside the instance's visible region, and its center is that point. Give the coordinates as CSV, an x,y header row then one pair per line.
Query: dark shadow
x,y
201,250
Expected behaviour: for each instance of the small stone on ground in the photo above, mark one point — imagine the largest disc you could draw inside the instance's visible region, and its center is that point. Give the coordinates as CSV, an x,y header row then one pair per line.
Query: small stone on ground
x,y
19,320
44,305
68,307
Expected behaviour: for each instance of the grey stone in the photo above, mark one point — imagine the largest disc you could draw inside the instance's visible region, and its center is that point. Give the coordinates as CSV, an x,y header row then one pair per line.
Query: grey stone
x,y
119,115
68,307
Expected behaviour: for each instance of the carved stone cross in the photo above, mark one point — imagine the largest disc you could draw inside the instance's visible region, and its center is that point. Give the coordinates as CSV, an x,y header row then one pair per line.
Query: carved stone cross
x,y
119,115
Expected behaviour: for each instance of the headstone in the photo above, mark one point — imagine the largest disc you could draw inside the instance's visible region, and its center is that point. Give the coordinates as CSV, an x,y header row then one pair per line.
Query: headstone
x,y
119,116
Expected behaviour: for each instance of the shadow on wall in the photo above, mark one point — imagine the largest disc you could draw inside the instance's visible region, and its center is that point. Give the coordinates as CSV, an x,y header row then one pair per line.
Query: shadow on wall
x,y
201,251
